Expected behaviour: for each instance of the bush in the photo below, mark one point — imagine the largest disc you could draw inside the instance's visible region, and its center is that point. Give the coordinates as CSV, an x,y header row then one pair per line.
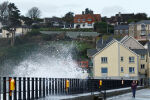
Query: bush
x,y
49,37
34,32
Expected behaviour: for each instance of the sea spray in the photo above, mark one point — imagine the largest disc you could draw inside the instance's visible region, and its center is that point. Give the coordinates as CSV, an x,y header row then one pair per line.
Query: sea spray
x,y
49,60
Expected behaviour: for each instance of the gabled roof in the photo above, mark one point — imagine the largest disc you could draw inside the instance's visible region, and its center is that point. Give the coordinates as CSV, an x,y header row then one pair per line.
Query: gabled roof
x,y
91,52
102,43
140,51
112,43
121,27
144,22
126,38
141,22
93,17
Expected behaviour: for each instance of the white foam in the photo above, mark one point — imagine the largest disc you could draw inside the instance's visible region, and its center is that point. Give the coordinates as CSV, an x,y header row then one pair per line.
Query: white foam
x,y
57,63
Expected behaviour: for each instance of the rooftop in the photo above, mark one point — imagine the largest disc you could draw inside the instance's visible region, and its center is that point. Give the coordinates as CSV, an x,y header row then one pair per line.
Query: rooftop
x,y
122,27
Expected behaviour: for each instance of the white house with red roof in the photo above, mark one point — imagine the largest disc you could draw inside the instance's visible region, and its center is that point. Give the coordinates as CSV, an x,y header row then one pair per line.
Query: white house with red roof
x,y
86,20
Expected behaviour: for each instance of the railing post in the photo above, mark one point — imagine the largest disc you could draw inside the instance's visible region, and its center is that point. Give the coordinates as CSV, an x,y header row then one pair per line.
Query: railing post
x,y
46,87
4,88
58,87
40,88
32,88
55,86
50,86
43,87
24,88
20,92
36,88
28,88
15,91
63,86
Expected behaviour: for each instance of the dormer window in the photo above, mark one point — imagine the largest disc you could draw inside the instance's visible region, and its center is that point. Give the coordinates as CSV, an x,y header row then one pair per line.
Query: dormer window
x,y
89,19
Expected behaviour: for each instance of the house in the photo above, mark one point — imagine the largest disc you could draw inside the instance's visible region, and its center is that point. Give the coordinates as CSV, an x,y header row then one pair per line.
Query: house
x,y
115,61
131,43
143,53
54,22
121,30
120,19
86,20
140,30
149,62
127,48
19,31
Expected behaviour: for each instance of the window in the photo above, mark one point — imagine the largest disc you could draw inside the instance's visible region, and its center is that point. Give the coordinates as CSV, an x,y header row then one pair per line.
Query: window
x,y
121,58
142,66
121,31
131,69
104,70
131,59
104,60
83,25
78,20
122,69
89,24
116,31
89,19
143,57
126,31
143,33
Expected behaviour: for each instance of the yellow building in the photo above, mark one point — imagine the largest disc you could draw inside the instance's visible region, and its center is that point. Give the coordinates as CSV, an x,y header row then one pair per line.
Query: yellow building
x,y
143,53
19,31
115,61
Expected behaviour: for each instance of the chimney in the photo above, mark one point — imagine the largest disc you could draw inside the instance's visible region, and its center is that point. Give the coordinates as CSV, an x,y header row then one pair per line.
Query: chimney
x,y
82,12
119,14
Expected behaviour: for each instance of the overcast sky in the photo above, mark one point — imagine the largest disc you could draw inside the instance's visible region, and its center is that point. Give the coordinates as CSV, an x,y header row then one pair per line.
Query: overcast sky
x,y
58,8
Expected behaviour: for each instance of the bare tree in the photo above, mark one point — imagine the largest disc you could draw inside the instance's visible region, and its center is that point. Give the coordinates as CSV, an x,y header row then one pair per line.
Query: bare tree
x,y
4,11
34,13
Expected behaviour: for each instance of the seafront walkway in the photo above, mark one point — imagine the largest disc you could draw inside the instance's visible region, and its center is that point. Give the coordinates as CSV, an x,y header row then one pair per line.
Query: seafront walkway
x,y
143,94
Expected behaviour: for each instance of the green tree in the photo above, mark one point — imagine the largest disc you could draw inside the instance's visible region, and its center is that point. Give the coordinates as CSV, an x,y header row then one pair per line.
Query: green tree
x,y
28,21
13,21
140,16
69,18
88,11
103,27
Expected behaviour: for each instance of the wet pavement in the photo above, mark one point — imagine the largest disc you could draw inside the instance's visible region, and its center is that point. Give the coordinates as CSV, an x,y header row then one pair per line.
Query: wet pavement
x,y
143,94
140,95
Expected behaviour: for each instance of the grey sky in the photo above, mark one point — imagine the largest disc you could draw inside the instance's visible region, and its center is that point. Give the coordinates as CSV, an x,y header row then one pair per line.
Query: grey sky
x,y
104,7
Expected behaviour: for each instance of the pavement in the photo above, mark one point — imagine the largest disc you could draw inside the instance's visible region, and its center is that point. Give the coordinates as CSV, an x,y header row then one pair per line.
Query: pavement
x,y
143,94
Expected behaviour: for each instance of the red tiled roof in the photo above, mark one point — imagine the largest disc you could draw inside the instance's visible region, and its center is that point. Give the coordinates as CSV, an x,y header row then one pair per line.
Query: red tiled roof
x,y
93,17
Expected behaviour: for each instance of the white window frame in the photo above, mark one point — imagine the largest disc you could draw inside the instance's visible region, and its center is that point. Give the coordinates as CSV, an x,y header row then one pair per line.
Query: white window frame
x,y
142,57
122,69
131,59
133,70
104,60
142,66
